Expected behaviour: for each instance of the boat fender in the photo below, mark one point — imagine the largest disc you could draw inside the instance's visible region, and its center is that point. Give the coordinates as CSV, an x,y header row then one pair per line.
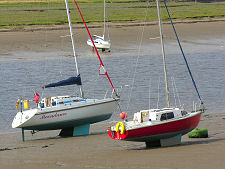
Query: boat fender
x,y
17,104
198,133
123,116
122,131
109,130
26,104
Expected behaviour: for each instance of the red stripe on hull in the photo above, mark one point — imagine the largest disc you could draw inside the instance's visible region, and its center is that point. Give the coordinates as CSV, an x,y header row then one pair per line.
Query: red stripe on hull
x,y
160,129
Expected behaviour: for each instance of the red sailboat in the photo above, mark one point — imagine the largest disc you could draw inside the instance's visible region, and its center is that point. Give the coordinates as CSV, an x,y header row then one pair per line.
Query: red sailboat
x,y
156,126
165,126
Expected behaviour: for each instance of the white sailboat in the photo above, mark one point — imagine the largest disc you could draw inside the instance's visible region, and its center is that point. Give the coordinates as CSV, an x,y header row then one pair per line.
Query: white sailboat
x,y
72,114
161,127
100,41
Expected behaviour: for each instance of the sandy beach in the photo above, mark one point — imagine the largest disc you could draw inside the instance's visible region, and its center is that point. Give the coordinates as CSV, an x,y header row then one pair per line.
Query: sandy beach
x,y
47,151
44,150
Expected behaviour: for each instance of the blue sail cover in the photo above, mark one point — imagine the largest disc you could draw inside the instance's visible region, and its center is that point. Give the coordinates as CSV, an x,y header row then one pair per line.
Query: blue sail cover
x,y
69,81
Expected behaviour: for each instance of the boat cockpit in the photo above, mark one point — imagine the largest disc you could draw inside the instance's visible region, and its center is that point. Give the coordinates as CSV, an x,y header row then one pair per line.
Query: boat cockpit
x,y
57,101
158,114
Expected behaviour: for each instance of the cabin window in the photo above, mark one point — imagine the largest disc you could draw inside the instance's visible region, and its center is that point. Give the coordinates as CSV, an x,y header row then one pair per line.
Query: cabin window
x,y
76,100
42,105
183,113
53,103
167,116
170,115
163,117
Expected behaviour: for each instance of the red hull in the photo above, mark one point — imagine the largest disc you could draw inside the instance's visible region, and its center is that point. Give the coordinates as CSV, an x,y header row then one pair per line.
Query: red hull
x,y
159,131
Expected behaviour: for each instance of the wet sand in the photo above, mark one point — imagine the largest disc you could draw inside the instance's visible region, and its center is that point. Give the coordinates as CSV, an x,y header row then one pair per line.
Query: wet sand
x,y
45,150
122,37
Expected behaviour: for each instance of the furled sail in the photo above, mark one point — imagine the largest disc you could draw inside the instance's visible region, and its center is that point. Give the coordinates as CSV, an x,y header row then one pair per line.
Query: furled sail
x,y
69,81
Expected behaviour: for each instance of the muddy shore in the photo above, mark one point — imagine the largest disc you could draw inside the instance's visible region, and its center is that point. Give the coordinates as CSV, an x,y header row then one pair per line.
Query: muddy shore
x,y
45,150
122,37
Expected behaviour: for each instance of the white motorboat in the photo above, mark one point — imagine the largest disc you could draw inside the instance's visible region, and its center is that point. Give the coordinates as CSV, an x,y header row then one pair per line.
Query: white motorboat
x,y
100,41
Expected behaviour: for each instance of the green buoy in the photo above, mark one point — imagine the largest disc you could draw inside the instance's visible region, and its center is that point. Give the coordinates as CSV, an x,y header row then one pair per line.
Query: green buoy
x,y
198,133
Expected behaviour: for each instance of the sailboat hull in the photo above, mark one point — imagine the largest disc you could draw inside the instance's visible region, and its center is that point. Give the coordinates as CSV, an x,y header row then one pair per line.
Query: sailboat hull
x,y
155,132
99,44
65,116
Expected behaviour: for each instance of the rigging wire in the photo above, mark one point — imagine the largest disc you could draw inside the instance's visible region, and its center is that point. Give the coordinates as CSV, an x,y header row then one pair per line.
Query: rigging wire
x,y
181,49
108,28
137,60
149,93
189,100
100,60
107,22
186,94
44,79
158,93
174,94
28,77
61,57
176,91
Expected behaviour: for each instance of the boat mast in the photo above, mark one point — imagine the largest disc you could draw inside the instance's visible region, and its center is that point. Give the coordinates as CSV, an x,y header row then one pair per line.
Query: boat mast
x,y
73,44
96,51
163,54
181,49
104,23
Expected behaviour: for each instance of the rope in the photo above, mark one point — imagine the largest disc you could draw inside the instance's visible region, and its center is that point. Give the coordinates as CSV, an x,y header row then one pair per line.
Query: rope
x,y
185,94
181,49
96,51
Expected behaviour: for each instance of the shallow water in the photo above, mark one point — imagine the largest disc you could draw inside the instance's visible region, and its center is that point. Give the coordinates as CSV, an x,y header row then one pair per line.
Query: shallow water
x,y
137,78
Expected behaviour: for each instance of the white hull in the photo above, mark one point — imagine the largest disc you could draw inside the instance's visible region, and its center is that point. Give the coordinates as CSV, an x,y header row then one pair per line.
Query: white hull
x,y
99,44
67,115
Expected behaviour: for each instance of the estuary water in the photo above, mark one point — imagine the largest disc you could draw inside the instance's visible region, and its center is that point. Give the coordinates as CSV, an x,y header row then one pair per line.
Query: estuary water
x,y
136,72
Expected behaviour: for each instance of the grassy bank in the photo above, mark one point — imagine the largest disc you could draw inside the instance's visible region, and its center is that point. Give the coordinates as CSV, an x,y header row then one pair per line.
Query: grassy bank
x,y
21,12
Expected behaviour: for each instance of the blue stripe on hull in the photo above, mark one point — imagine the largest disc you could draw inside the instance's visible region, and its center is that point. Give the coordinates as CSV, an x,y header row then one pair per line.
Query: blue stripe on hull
x,y
159,136
72,123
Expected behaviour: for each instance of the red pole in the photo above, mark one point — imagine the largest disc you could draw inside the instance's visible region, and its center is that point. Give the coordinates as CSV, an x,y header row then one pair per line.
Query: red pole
x,y
96,51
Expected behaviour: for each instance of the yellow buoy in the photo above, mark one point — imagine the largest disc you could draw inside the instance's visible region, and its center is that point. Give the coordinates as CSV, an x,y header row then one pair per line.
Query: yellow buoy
x,y
26,104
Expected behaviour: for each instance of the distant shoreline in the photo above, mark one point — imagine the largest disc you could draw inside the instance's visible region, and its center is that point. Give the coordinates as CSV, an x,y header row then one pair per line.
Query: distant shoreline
x,y
44,15
113,24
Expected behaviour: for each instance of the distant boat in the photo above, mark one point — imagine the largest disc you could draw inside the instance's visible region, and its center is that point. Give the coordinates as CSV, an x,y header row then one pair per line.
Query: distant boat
x,y
100,41
164,126
72,114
